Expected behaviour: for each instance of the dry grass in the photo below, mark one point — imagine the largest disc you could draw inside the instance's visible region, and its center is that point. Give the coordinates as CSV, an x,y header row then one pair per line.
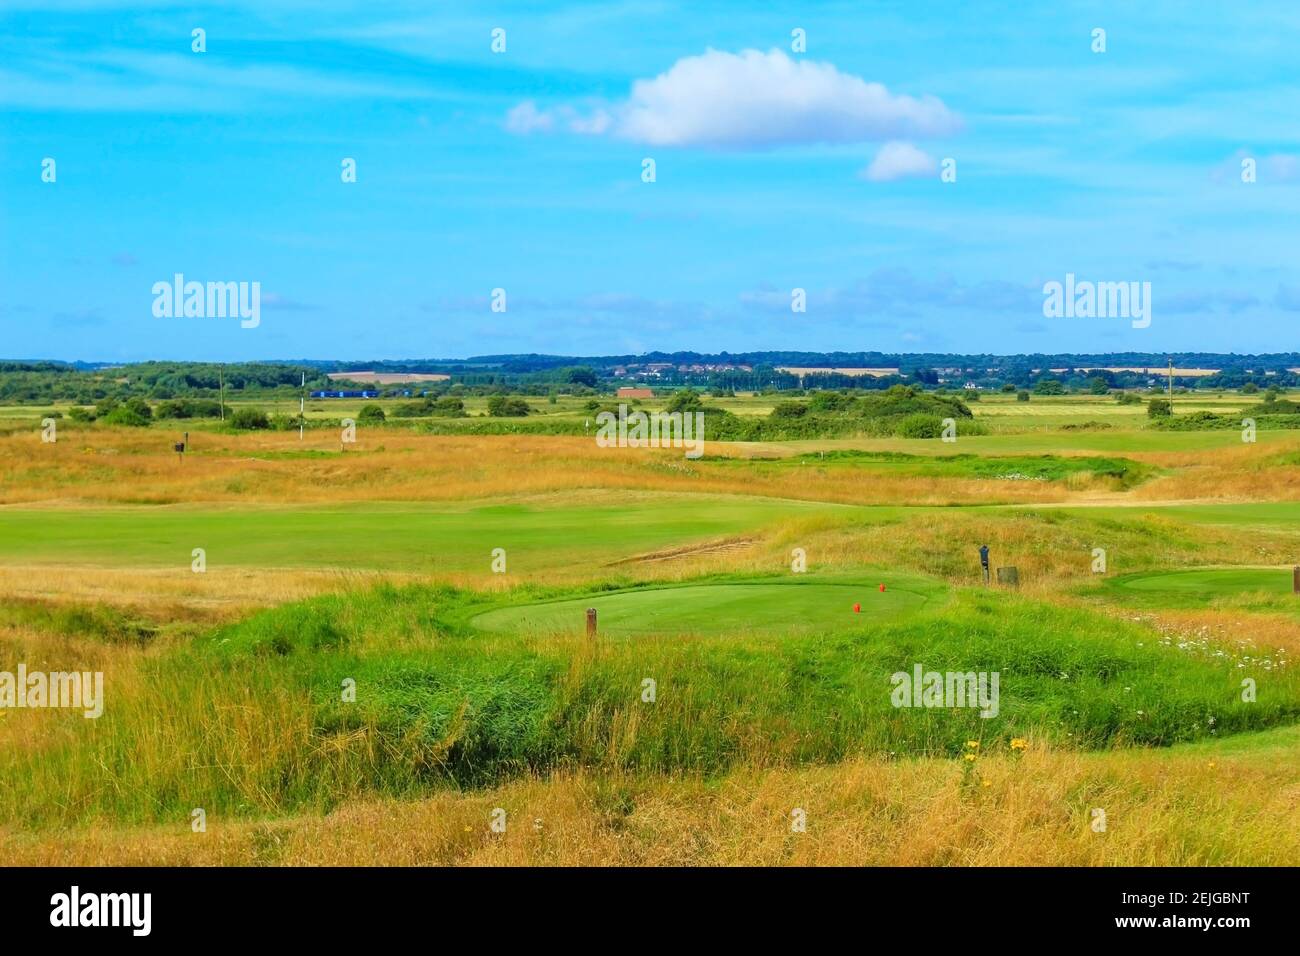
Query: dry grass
x,y
131,466
1185,807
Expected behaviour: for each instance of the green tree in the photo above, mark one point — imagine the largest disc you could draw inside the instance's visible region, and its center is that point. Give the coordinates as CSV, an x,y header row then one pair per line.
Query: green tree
x,y
503,406
687,400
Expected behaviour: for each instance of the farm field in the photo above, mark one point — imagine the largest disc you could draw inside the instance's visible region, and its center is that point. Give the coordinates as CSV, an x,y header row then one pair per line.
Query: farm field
x,y
444,579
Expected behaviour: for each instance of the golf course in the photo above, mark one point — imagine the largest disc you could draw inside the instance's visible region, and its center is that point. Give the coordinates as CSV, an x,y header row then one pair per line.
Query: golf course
x,y
357,653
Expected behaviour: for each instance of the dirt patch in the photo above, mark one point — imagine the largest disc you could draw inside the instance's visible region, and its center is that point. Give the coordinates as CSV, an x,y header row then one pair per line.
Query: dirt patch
x,y
725,546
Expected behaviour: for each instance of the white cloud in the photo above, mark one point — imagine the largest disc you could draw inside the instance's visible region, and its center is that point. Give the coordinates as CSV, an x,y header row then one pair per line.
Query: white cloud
x,y
527,118
899,160
755,100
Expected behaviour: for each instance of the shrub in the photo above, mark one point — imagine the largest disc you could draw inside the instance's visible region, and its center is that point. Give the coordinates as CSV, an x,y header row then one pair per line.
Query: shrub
x,y
371,414
247,419
134,411
1250,388
920,426
1022,396
502,406
188,408
1129,398
125,415
789,410
687,400
1048,386
1159,408
830,402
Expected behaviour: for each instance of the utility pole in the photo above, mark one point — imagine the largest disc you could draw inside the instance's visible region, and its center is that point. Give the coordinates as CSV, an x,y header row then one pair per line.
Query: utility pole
x,y
1171,386
302,406
221,386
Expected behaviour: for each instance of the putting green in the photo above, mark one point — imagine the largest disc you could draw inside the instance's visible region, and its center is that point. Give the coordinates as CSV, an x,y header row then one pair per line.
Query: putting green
x,y
1212,582
734,607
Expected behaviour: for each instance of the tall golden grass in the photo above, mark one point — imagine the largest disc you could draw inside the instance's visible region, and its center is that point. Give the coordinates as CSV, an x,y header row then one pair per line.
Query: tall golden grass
x,y
133,466
1191,806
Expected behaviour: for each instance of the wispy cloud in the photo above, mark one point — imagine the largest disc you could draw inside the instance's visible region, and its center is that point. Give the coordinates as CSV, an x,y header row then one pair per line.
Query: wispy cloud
x,y
749,100
899,160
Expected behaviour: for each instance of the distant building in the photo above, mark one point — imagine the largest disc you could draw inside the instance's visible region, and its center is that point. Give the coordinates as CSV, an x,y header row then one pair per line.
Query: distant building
x,y
347,393
627,392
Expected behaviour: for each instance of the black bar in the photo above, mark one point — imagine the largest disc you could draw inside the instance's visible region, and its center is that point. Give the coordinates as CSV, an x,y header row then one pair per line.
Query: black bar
x,y
935,907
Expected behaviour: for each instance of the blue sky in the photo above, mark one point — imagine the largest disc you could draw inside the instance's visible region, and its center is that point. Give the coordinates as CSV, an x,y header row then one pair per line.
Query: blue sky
x,y
521,170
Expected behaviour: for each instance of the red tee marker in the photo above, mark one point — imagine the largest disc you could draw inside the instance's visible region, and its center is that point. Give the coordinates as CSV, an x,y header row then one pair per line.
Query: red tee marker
x,y
882,587
857,609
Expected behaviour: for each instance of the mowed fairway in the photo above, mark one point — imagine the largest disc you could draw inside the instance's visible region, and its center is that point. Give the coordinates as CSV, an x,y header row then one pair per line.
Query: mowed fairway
x,y
383,536
743,607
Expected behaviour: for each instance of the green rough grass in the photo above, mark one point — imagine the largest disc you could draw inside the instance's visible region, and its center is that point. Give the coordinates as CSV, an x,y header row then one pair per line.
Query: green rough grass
x,y
256,724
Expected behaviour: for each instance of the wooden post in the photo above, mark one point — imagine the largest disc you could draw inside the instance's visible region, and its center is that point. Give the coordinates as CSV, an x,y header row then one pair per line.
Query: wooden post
x,y
1009,576
1295,579
591,622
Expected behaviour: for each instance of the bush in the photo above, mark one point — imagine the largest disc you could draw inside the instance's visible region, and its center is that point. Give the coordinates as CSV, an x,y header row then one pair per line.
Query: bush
x,y
78,414
188,408
1048,386
1022,396
248,419
1129,398
502,406
687,400
371,414
125,415
830,402
1008,388
134,411
1250,388
449,407
1159,408
920,426
789,410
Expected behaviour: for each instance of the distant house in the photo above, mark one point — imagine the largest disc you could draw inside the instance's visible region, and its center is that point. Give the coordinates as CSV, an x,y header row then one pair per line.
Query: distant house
x,y
628,392
348,393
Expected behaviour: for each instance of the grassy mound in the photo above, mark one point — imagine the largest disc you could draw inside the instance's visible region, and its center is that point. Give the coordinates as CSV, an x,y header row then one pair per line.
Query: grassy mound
x,y
258,720
770,607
